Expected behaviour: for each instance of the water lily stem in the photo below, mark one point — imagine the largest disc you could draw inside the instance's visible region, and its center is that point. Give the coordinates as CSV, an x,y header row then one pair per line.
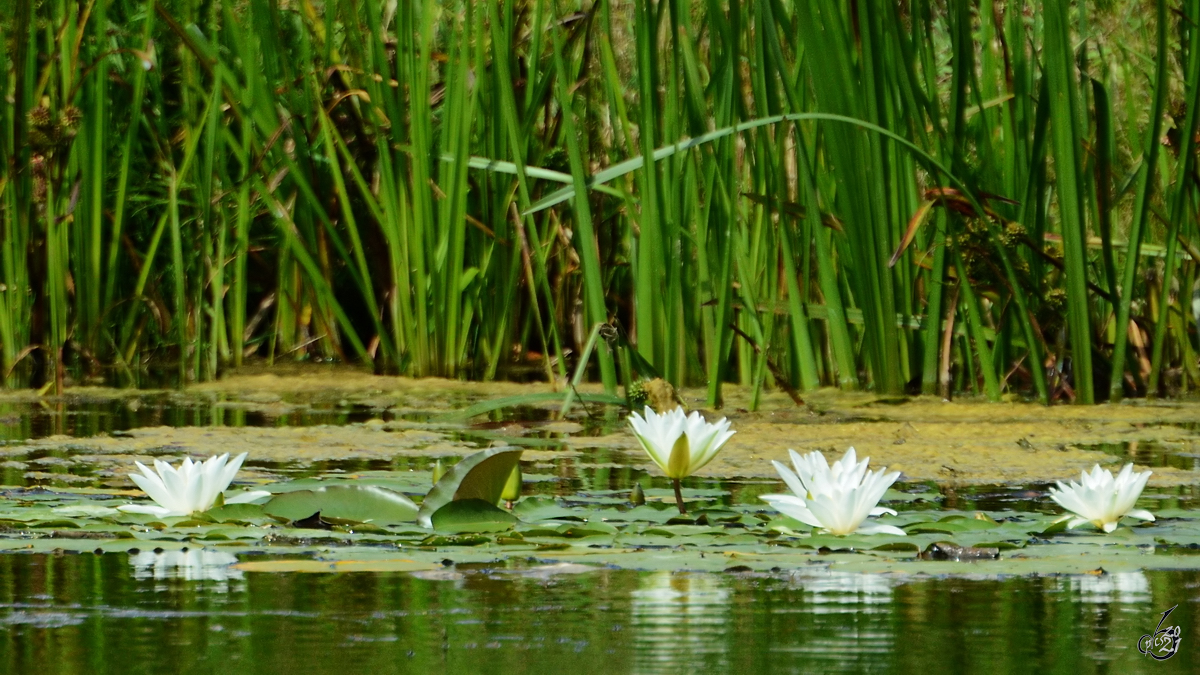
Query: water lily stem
x,y
679,497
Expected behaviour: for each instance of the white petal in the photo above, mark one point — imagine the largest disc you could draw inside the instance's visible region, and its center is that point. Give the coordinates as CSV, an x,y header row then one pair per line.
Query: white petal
x,y
652,451
153,486
1140,514
880,529
210,474
195,489
1071,500
247,496
148,510
705,439
793,507
171,477
836,513
793,482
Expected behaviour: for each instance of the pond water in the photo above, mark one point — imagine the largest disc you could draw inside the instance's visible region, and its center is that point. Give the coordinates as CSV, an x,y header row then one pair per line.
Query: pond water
x,y
207,600
120,614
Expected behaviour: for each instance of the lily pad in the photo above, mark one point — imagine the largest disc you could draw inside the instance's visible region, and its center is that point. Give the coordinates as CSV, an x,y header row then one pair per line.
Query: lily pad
x,y
471,515
354,503
389,565
482,475
236,513
533,509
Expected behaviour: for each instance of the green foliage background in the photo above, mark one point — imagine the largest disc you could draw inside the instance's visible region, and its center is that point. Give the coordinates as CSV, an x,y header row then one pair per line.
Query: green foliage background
x,y
941,197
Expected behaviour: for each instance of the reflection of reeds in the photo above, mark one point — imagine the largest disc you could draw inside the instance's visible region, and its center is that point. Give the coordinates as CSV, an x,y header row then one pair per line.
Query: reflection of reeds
x,y
1004,202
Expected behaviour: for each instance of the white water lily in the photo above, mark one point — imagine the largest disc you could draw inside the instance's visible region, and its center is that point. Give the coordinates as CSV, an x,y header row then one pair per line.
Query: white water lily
x,y
1102,500
192,487
679,444
835,498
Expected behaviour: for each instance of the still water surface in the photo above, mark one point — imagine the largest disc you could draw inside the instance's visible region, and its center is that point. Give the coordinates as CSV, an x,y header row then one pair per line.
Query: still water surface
x,y
149,613
175,612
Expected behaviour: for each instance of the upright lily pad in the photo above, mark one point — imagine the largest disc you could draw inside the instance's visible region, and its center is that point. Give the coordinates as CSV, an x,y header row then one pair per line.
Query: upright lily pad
x,y
482,475
366,503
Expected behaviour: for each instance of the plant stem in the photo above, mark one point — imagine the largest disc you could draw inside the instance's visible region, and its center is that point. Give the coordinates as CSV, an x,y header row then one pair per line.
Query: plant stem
x,y
679,497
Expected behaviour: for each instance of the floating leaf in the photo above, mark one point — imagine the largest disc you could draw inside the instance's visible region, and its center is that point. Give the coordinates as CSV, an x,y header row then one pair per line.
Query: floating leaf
x,y
898,546
951,525
471,515
436,540
787,525
651,512
533,509
482,475
395,565
56,524
353,503
236,513
588,529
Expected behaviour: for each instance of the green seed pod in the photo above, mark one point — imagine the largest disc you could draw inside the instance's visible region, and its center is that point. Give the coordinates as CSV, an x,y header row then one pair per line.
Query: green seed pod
x,y
637,496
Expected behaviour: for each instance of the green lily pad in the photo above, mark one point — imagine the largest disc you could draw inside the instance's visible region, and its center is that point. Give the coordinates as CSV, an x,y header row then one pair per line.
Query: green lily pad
x,y
236,513
438,540
482,475
909,546
354,503
533,509
953,525
471,515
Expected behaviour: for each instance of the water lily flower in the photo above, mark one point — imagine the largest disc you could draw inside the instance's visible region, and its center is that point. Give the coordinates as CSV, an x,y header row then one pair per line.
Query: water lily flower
x,y
192,487
679,444
1102,500
835,498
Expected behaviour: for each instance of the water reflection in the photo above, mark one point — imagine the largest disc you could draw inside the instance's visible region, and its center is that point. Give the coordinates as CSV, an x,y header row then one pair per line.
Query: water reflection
x,y
189,613
679,621
191,564
833,592
1122,587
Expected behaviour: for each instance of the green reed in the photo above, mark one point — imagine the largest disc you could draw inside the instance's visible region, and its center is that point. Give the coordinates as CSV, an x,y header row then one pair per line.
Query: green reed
x,y
977,197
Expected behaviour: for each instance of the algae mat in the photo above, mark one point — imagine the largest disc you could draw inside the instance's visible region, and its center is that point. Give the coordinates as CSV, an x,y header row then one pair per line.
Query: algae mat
x,y
927,439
